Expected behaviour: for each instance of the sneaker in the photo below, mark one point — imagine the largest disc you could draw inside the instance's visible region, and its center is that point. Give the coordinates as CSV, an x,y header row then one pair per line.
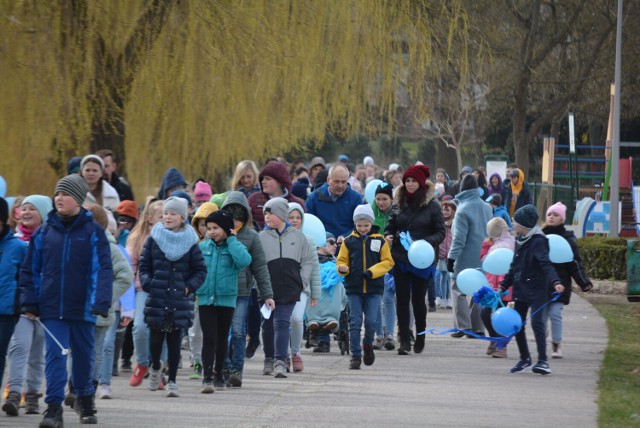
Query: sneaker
x,y
457,334
492,348
219,384
542,368
418,347
500,353
252,347
268,366
404,348
138,375
31,406
298,366
207,386
449,304
313,325
439,301
172,390
235,379
522,364
557,351
126,366
369,357
197,371
287,364
12,404
323,347
432,307
377,343
279,369
354,364
331,325
52,417
85,410
104,392
389,343
155,379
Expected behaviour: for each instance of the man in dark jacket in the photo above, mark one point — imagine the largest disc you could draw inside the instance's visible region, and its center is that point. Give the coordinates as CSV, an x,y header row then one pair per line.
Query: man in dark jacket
x,y
110,175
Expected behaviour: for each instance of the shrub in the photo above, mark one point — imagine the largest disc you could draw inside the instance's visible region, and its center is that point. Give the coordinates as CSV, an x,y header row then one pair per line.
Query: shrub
x,y
604,258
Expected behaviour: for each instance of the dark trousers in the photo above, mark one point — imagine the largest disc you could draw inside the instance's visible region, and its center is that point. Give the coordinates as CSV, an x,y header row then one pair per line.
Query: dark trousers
x,y
174,339
410,289
215,322
539,330
254,319
7,326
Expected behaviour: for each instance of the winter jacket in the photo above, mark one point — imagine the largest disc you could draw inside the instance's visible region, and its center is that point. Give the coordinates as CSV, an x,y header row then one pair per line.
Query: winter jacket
x,y
67,273
311,282
122,187
368,258
524,197
424,223
171,284
469,230
495,190
336,215
504,241
572,269
289,259
531,273
501,212
12,253
445,246
257,272
333,298
382,219
277,171
224,263
122,279
110,197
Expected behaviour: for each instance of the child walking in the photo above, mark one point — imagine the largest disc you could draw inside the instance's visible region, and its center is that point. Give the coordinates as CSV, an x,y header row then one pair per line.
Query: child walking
x,y
443,284
531,274
555,218
171,270
363,260
224,257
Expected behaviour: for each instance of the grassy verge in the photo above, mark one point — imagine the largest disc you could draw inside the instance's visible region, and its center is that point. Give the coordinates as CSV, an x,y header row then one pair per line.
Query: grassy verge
x,y
619,384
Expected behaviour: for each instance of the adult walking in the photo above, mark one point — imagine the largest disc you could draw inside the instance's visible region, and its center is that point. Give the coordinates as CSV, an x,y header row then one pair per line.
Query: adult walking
x,y
516,194
275,182
100,191
111,177
419,214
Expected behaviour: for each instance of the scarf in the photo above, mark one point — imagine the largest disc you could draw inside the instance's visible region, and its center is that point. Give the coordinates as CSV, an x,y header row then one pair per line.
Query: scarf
x,y
521,240
25,234
174,245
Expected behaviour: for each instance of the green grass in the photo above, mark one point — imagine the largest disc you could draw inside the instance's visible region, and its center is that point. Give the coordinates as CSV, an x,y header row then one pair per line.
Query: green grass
x,y
619,384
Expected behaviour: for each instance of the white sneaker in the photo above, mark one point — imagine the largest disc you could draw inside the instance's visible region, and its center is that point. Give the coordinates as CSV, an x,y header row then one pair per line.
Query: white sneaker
x,y
104,392
438,301
557,351
449,304
172,390
154,379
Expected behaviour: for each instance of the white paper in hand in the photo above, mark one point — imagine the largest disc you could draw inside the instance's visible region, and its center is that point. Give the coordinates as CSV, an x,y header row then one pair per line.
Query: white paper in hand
x,y
265,311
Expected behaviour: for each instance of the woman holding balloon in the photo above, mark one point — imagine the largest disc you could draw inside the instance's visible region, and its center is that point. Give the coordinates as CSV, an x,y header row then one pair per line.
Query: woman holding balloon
x,y
419,215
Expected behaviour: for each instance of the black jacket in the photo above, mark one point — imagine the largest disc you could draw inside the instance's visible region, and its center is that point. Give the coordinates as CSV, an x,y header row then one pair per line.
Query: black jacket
x,y
572,269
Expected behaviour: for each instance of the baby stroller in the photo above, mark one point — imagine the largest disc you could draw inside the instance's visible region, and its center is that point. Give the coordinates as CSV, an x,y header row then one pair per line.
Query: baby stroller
x,y
342,335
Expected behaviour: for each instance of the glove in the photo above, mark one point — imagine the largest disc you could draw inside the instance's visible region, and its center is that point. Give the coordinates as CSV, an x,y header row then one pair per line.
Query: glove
x,y
450,263
367,274
96,312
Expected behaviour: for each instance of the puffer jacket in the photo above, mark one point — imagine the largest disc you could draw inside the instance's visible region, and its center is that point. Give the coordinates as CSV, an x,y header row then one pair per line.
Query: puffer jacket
x,y
572,269
171,284
67,273
257,272
277,171
361,254
122,279
224,263
427,223
12,252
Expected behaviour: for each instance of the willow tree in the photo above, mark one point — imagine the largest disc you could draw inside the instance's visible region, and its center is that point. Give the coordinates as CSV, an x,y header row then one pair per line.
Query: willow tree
x,y
200,84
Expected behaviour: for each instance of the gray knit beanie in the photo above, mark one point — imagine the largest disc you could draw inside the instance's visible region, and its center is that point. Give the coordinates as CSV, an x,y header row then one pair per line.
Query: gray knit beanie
x,y
278,207
74,186
177,204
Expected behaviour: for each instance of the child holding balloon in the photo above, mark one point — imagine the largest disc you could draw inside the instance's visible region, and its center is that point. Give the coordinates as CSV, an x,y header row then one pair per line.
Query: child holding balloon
x,y
555,218
530,274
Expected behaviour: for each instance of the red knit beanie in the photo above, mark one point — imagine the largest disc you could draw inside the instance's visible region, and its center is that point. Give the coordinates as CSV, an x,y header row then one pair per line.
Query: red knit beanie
x,y
420,173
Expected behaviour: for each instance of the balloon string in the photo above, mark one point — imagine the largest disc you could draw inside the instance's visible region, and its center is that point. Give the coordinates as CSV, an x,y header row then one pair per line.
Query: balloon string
x,y
62,348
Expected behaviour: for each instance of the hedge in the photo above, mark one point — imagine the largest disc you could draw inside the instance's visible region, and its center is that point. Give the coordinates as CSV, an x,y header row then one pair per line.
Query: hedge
x,y
604,258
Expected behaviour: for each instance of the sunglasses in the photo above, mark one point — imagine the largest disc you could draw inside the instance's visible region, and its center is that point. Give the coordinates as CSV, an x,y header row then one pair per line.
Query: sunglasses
x,y
331,241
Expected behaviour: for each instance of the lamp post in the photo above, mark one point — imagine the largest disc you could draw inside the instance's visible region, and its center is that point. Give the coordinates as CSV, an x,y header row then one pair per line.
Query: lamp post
x,y
615,145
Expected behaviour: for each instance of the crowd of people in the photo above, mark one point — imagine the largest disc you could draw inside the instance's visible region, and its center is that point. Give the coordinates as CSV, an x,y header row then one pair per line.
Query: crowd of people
x,y
92,279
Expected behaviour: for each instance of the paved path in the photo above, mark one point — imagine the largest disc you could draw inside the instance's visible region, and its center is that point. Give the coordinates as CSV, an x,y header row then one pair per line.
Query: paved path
x,y
451,384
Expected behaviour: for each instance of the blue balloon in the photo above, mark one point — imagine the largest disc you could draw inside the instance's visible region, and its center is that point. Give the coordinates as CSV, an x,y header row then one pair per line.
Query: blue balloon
x,y
421,254
481,191
3,187
10,200
506,321
559,249
313,227
498,261
471,280
370,190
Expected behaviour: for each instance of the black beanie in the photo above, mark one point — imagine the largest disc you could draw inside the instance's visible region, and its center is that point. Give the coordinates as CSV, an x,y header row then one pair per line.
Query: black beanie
x,y
385,188
4,211
468,182
222,218
526,216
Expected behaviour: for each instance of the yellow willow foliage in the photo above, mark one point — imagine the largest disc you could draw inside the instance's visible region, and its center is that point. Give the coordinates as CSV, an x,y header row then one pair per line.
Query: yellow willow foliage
x,y
221,82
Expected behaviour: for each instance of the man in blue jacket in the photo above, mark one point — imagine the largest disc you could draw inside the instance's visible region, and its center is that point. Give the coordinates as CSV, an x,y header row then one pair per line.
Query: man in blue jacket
x,y
334,202
66,280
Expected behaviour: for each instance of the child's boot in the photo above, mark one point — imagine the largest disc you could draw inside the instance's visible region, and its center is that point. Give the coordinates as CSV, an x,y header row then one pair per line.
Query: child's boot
x,y
52,417
31,403
12,405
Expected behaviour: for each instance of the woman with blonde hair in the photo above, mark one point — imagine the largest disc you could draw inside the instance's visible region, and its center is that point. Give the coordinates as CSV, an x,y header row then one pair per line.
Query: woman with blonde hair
x,y
151,215
245,178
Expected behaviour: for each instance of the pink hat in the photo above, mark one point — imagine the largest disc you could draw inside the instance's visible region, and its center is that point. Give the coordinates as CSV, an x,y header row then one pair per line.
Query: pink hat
x,y
560,209
202,192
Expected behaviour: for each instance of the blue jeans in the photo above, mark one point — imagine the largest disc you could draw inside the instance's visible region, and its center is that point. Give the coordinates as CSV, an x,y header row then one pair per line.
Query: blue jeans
x,y
387,314
141,331
100,335
7,325
362,305
238,335
553,311
443,286
106,371
275,332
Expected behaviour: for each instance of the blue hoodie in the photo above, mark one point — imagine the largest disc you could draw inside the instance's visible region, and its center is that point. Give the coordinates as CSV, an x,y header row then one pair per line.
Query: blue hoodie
x,y
172,178
12,252
502,213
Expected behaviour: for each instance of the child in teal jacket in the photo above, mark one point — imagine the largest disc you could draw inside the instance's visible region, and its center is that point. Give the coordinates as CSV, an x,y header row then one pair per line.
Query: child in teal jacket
x,y
225,257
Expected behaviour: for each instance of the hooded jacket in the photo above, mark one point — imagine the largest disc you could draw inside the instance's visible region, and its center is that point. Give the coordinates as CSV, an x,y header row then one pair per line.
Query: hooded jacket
x,y
110,197
492,190
336,215
122,279
12,252
311,283
67,273
202,213
523,198
171,178
257,271
277,171
502,213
